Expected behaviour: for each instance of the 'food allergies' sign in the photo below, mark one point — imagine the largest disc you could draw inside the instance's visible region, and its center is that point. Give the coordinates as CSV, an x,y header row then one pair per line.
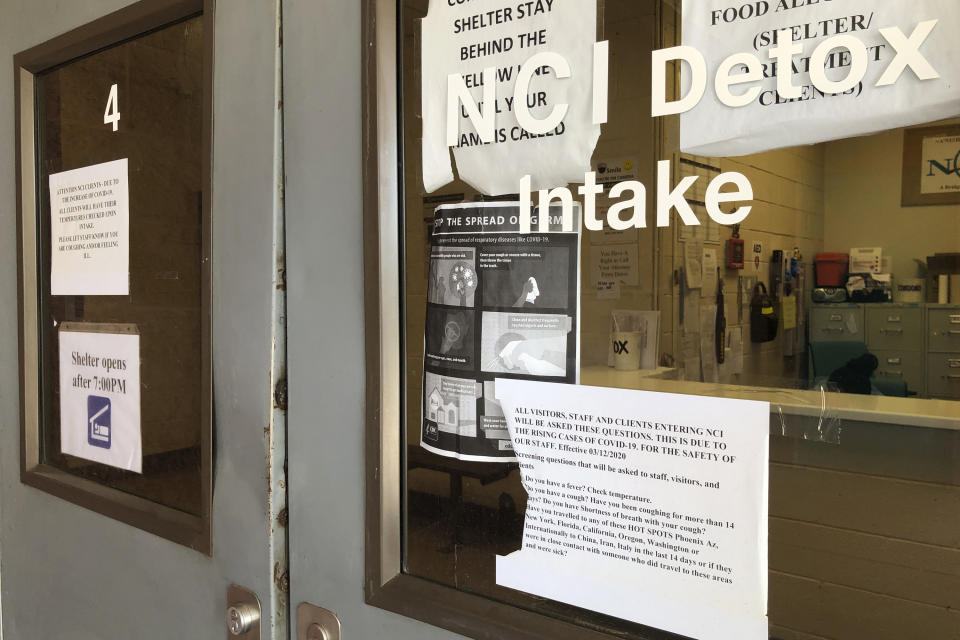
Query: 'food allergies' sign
x,y
100,394
779,73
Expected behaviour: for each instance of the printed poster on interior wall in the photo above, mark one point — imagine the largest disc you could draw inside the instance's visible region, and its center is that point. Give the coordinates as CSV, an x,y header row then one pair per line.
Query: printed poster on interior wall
x,y
464,39
500,304
651,507
100,393
883,35
90,231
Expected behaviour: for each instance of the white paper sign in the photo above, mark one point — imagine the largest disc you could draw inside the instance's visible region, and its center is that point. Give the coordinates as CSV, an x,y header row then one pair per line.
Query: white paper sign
x,y
90,231
615,264
100,396
468,37
709,273
717,30
650,507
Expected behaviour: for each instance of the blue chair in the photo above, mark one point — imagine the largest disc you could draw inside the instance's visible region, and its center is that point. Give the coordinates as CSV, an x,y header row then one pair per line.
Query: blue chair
x,y
829,356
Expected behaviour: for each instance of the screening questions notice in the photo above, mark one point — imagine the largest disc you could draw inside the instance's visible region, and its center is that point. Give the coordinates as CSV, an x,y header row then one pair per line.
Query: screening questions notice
x,y
651,507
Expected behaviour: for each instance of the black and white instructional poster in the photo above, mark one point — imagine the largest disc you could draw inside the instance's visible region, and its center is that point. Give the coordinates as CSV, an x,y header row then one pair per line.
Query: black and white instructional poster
x,y
780,73
500,304
651,507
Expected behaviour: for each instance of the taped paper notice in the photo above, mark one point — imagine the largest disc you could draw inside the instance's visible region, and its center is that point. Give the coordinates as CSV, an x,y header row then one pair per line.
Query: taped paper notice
x,y
611,171
615,264
650,507
463,39
608,291
90,231
693,264
733,363
773,121
498,303
788,312
709,274
100,394
708,346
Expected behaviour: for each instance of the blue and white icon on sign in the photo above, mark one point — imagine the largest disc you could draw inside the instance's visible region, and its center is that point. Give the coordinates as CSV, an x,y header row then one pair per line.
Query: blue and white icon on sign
x,y
98,422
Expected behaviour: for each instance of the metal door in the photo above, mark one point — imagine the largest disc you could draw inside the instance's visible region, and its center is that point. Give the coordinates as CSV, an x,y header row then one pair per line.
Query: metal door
x,y
325,274
71,572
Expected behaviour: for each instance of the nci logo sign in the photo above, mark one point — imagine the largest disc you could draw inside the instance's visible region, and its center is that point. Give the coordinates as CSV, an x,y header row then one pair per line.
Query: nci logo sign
x,y
949,166
940,171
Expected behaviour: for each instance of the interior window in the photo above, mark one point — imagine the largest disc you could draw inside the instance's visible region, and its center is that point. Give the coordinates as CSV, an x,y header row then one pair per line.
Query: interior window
x,y
836,294
159,81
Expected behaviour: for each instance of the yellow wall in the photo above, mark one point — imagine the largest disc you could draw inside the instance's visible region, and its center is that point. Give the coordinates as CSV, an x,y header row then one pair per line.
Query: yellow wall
x,y
863,205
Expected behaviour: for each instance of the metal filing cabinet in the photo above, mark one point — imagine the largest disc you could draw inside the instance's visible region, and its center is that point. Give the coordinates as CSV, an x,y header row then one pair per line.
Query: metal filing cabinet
x,y
836,323
892,332
943,351
895,336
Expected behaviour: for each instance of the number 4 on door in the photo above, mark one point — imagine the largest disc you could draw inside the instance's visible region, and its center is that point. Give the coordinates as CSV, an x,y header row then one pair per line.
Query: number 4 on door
x,y
111,115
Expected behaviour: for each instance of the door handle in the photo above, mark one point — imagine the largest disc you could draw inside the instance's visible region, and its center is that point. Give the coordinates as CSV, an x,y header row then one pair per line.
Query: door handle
x,y
243,613
316,623
241,618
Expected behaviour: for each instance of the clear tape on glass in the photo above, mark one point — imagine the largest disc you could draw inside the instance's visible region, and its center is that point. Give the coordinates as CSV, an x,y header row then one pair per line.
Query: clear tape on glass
x,y
795,415
825,426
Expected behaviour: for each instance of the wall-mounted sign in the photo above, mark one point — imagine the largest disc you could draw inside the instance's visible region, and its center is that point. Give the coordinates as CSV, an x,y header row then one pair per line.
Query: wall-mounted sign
x,y
90,231
931,166
808,72
650,507
498,303
100,394
475,55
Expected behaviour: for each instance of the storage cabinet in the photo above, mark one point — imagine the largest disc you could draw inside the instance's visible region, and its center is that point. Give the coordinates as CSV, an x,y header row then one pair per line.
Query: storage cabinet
x,y
895,327
943,351
895,336
892,332
836,323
